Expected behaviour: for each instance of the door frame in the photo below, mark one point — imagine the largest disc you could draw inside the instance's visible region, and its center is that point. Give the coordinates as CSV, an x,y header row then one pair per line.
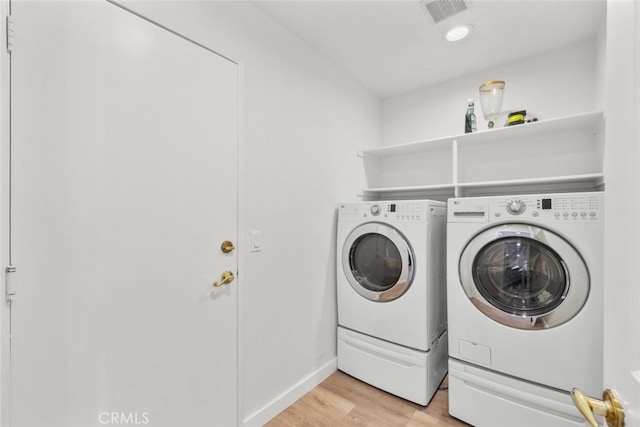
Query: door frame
x,y
5,209
5,151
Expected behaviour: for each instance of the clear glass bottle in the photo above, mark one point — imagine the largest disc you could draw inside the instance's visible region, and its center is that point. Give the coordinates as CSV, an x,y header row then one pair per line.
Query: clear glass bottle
x,y
470,118
491,94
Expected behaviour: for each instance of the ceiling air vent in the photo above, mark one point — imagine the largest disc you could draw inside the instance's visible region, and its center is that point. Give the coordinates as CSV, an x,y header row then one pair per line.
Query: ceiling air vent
x,y
443,9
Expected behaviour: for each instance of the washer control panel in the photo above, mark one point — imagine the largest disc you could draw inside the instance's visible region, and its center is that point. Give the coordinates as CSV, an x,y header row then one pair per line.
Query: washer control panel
x,y
568,207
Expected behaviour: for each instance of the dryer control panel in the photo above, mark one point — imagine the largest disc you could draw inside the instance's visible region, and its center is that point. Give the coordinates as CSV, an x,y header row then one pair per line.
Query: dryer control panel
x,y
570,207
400,211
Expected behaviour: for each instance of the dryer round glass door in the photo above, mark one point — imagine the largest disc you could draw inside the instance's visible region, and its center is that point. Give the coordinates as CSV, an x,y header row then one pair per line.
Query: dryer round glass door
x,y
524,276
378,262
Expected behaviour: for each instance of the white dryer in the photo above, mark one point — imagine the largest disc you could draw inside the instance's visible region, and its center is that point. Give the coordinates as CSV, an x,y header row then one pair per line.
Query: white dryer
x,y
391,292
525,289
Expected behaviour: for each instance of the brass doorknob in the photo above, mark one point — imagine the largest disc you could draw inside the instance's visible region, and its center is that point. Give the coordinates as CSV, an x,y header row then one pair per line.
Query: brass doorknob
x,y
227,246
226,277
609,407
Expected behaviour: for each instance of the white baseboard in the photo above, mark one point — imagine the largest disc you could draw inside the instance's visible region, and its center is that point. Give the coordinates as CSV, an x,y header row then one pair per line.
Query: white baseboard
x,y
286,399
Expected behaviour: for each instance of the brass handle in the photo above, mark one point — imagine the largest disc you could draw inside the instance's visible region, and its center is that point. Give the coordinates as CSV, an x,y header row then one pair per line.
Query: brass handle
x,y
227,246
609,407
226,277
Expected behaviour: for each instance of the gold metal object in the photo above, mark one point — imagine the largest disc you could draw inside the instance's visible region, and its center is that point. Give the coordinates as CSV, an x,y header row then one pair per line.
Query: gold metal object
x,y
227,246
491,83
609,407
226,277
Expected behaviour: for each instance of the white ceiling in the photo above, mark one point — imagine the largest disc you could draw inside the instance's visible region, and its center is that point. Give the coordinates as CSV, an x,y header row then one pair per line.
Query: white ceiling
x,y
394,46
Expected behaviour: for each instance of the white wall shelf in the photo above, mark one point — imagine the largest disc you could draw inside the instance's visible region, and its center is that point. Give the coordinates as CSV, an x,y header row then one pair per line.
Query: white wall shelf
x,y
562,154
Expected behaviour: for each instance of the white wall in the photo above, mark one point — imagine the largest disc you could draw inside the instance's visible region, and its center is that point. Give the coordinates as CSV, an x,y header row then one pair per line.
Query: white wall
x,y
557,83
304,121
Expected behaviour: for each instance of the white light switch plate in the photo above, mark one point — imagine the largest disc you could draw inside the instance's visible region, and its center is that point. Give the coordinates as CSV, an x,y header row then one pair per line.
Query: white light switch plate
x,y
256,241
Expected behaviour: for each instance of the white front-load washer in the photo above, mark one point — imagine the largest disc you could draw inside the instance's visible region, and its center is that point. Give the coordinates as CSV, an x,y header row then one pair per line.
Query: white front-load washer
x,y
391,293
525,290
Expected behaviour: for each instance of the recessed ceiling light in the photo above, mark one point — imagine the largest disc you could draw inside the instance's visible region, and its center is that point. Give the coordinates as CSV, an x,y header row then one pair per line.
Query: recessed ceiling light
x,y
458,32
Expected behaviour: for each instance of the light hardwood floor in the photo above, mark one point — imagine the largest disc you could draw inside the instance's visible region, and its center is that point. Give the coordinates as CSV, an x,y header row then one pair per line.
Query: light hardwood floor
x,y
342,400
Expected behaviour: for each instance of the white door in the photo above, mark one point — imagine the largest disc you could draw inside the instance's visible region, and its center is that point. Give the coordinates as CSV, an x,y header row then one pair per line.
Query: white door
x,y
123,187
622,226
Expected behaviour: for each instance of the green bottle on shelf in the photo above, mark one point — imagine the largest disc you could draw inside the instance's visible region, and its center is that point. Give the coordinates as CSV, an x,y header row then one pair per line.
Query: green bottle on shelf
x,y
470,118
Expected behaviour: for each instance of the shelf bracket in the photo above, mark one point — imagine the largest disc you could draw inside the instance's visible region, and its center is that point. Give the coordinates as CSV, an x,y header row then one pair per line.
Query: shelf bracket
x,y
454,169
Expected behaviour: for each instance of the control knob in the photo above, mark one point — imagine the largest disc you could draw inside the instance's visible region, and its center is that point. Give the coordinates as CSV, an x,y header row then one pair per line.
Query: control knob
x,y
516,207
375,210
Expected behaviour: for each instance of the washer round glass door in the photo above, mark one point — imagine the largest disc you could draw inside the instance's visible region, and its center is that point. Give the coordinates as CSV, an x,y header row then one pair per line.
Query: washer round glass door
x,y
378,262
524,276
